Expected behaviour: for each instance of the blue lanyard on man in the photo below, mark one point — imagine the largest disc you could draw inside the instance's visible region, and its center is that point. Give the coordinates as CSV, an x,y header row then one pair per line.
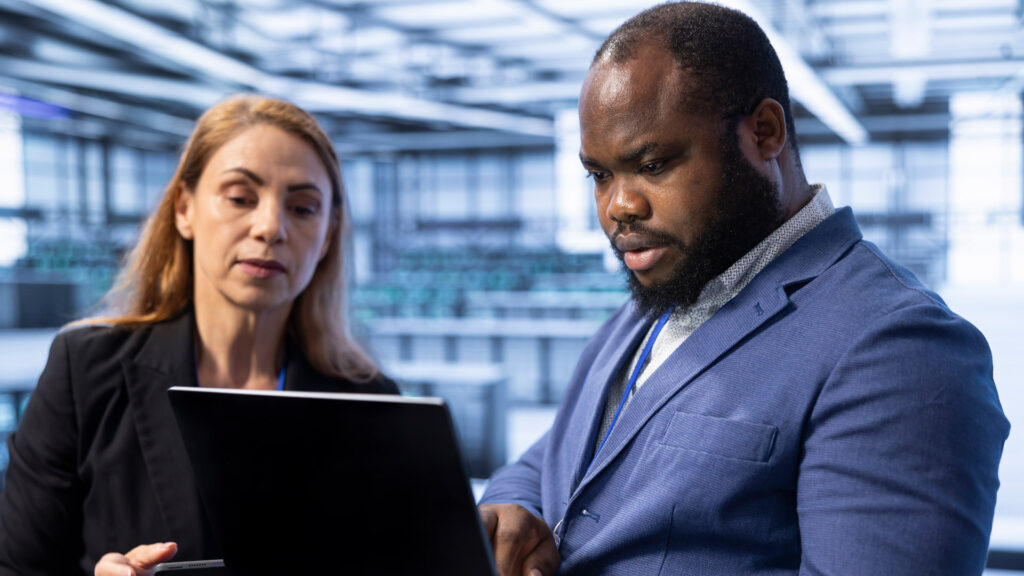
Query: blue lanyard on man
x,y
633,378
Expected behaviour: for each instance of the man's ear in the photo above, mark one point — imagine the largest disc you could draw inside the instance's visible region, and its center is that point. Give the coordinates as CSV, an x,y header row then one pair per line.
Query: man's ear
x,y
183,211
765,129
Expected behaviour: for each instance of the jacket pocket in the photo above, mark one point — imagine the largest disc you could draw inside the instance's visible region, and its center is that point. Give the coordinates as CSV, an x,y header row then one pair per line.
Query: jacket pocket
x,y
721,436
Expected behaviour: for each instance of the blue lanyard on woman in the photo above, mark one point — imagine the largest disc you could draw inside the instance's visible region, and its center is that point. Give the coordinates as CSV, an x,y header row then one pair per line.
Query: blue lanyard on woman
x,y
632,379
280,375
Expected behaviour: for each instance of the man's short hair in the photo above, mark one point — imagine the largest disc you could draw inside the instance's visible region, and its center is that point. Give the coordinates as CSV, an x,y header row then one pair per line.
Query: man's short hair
x,y
723,51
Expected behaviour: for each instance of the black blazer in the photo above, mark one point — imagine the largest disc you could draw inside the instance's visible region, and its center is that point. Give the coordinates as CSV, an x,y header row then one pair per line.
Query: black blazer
x,y
98,464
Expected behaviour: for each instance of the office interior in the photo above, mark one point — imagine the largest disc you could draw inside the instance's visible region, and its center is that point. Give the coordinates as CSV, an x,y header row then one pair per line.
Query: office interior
x,y
478,265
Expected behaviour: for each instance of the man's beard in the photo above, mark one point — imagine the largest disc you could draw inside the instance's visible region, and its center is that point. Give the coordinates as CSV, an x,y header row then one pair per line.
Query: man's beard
x,y
746,211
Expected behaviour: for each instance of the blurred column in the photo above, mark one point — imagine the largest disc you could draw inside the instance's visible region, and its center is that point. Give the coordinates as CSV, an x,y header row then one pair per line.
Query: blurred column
x,y
577,228
986,241
13,231
986,264
910,25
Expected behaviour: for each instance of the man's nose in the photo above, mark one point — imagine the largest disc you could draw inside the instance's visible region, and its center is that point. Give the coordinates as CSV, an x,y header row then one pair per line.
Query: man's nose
x,y
628,203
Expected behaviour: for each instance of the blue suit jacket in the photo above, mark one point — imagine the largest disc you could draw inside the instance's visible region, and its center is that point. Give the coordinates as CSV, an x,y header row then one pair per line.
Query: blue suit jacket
x,y
833,418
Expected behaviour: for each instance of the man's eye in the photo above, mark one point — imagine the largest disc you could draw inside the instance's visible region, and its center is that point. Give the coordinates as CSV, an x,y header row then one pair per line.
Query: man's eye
x,y
597,175
651,167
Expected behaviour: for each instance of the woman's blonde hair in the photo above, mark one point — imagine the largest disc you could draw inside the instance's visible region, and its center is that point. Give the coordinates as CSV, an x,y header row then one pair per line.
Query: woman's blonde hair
x,y
157,282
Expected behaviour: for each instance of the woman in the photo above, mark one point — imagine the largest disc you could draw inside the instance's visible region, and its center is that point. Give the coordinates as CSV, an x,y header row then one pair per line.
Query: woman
x,y
237,281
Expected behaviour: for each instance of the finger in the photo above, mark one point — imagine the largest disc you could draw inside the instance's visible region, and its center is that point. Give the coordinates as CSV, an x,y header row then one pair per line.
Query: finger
x,y
149,555
513,539
508,552
113,564
489,519
543,560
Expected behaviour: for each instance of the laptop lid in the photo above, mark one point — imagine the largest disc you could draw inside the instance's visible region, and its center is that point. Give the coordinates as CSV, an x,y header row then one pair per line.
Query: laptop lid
x,y
301,482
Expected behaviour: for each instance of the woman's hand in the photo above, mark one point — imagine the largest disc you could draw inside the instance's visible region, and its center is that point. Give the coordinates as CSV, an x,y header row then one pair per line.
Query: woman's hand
x,y
139,562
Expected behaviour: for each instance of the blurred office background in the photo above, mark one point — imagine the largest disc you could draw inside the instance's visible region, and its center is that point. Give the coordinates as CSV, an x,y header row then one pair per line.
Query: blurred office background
x,y
479,267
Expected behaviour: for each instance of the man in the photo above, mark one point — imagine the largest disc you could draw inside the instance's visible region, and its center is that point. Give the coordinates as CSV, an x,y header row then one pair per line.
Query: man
x,y
802,405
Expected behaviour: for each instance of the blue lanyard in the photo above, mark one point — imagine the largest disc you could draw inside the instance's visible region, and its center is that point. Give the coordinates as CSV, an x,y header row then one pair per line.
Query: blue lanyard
x,y
280,375
632,379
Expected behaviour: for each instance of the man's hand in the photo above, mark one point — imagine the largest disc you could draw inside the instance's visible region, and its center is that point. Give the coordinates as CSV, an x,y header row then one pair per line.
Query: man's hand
x,y
139,562
523,544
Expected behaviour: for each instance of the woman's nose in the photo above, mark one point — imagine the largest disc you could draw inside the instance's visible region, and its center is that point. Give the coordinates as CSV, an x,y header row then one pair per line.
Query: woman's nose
x,y
269,223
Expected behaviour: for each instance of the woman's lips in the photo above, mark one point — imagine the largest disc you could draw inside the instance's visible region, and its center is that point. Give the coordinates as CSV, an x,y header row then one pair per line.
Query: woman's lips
x,y
259,268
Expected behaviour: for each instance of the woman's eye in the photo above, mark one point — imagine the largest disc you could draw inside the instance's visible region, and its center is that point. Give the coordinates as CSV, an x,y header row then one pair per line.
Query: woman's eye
x,y
303,210
238,200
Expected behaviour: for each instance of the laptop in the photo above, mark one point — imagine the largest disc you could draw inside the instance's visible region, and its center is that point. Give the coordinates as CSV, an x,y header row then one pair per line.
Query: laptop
x,y
304,482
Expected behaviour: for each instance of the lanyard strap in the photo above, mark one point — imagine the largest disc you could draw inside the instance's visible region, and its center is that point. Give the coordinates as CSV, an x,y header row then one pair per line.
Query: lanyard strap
x,y
280,375
632,379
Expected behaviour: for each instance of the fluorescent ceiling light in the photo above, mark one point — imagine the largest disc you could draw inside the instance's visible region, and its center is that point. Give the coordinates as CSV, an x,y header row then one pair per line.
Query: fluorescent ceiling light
x,y
626,8
976,4
846,29
984,23
573,46
51,50
447,14
528,92
500,32
296,22
851,9
375,38
359,40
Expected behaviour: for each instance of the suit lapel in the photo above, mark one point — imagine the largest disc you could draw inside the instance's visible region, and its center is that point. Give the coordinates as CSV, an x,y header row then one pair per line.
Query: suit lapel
x,y
166,359
618,352
731,324
759,302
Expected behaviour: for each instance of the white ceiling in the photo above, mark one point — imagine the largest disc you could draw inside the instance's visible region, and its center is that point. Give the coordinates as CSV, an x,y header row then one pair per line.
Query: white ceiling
x,y
408,73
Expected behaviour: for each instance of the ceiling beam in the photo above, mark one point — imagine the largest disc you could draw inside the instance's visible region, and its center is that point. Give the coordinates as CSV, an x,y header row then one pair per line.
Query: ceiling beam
x,y
517,94
137,85
359,143
888,72
888,123
101,108
805,85
216,66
